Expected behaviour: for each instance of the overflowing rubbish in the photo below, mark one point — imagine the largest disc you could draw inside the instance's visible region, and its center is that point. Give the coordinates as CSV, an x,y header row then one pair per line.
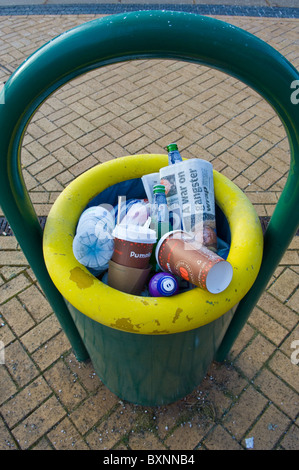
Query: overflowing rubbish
x,y
163,244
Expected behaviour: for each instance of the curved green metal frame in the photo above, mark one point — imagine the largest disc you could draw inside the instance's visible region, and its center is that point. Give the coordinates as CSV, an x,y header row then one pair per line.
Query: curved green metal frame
x,y
145,35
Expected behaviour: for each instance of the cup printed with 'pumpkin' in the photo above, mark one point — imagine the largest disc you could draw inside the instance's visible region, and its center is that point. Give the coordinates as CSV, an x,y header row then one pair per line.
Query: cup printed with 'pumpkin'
x,y
133,245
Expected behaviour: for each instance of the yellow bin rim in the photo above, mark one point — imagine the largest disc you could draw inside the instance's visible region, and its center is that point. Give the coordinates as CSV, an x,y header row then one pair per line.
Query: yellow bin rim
x,y
138,314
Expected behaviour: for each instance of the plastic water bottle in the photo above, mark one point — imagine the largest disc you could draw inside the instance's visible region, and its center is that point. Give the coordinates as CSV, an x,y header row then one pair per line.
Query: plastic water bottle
x,y
174,155
159,212
159,219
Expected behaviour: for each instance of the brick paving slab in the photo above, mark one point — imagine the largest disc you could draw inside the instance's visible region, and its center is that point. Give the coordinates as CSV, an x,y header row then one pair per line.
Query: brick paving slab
x,y
48,399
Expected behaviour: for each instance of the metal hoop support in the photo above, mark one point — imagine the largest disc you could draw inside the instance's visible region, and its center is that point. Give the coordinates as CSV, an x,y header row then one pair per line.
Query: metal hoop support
x,y
145,35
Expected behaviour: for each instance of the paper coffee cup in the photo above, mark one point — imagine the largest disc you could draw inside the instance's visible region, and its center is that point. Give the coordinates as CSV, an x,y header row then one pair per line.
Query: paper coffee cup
x,y
178,253
133,245
126,279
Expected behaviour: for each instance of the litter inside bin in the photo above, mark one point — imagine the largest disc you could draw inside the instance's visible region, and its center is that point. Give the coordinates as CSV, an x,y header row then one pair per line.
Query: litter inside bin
x,y
93,244
118,232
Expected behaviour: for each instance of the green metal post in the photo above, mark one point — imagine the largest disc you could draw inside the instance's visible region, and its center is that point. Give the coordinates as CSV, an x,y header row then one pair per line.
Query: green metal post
x,y
144,35
273,252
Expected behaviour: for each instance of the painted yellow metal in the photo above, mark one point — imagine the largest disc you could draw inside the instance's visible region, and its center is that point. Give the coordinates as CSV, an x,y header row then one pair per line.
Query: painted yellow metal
x,y
137,314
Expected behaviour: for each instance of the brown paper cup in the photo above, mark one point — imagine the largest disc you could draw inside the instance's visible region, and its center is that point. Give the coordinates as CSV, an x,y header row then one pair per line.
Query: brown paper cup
x,y
132,254
178,253
133,245
127,279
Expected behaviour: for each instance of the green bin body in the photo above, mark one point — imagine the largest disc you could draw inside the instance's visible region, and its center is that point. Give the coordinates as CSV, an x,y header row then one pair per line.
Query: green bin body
x,y
150,370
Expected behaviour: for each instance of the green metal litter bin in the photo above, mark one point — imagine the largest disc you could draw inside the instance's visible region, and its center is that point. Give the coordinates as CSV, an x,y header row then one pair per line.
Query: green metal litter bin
x,y
151,370
146,35
148,350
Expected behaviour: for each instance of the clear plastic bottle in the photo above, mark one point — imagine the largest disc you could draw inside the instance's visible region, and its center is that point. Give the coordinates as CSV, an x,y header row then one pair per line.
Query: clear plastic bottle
x,y
174,155
159,212
159,219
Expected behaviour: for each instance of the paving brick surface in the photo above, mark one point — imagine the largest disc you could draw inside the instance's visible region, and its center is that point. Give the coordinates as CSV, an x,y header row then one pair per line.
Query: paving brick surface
x,y
51,401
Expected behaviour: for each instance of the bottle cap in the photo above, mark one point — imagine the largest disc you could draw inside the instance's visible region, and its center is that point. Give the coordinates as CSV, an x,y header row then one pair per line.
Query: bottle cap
x,y
159,188
167,285
172,147
163,285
